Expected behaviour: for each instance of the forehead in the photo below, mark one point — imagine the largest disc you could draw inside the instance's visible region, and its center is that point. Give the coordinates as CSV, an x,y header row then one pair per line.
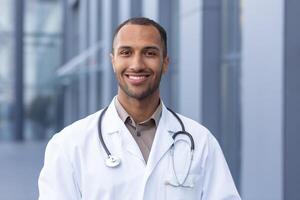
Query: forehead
x,y
132,34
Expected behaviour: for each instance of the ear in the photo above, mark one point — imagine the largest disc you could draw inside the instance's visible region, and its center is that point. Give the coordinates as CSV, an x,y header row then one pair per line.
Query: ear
x,y
165,64
112,58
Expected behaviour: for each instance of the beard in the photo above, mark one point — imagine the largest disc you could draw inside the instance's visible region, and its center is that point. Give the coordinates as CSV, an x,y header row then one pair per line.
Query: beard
x,y
141,95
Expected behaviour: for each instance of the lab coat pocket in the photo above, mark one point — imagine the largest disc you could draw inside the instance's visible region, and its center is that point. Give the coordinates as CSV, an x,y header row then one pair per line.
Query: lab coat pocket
x,y
182,188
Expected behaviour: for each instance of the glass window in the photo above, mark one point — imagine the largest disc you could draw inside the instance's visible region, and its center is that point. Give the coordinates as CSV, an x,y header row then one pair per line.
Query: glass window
x,y
42,56
6,66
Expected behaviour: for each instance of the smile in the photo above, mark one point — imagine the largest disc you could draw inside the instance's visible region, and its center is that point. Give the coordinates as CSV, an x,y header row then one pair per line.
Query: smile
x,y
137,78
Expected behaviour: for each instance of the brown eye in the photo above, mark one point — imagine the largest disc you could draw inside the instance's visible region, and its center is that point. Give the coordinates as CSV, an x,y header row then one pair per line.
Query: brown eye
x,y
150,53
125,52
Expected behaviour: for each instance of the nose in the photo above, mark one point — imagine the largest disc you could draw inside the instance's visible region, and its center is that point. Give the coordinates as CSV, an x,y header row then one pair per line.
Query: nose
x,y
137,63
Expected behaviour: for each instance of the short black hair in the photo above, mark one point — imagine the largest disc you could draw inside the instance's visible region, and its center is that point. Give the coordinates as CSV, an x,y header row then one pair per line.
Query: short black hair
x,y
146,22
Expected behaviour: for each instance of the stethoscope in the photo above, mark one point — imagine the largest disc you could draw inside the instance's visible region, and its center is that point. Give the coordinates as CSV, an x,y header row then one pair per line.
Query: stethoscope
x,y
114,161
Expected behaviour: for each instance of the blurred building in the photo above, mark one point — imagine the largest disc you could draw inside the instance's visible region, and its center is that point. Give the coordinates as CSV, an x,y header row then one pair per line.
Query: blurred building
x,y
30,53
234,68
6,58
41,39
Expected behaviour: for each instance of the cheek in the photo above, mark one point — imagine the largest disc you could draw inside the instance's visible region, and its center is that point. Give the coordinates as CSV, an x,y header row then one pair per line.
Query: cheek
x,y
119,67
161,68
155,65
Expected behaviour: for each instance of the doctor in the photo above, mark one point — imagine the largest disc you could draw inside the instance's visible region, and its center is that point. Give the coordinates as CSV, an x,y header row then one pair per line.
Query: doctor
x,y
136,149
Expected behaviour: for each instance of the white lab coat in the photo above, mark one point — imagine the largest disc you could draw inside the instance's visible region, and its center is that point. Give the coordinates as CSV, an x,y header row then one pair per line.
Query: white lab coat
x,y
74,163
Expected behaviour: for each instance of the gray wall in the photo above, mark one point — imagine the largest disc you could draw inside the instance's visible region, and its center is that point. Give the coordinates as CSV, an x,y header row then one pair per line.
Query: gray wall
x,y
292,101
262,99
190,58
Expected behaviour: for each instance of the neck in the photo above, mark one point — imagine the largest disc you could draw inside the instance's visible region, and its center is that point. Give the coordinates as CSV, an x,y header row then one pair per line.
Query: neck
x,y
139,110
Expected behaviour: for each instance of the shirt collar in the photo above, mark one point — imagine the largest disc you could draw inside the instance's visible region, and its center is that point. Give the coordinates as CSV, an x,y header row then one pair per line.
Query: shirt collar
x,y
124,115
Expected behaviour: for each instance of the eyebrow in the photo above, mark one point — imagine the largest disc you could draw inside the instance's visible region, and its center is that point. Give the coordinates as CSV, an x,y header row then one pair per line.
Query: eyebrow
x,y
124,47
152,48
145,48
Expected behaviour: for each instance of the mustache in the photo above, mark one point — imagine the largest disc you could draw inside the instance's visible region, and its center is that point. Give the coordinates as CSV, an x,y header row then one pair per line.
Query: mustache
x,y
134,71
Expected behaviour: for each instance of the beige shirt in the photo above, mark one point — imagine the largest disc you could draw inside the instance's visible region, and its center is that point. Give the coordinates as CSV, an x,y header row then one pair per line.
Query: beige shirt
x,y
143,132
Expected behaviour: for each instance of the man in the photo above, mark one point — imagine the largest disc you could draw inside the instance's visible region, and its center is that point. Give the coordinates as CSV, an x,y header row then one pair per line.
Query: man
x,y
136,148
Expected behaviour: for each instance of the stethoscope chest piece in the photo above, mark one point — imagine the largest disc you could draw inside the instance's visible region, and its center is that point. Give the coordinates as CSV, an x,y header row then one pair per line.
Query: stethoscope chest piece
x,y
112,161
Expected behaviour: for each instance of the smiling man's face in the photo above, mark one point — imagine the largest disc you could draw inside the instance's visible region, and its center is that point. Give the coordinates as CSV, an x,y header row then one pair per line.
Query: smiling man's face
x,y
138,61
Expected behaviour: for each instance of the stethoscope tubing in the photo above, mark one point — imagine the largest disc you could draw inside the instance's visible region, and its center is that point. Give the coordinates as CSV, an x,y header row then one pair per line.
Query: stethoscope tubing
x,y
100,132
183,131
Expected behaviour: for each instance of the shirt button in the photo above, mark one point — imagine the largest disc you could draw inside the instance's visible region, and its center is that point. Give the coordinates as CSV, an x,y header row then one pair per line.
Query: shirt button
x,y
138,133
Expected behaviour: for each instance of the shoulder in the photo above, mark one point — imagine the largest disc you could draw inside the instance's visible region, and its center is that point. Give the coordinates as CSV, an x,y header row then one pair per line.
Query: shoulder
x,y
195,127
77,132
192,124
201,134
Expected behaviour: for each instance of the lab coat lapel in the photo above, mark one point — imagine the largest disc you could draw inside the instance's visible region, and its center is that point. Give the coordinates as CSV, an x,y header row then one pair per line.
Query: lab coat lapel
x,y
162,141
111,130
114,127
130,144
111,122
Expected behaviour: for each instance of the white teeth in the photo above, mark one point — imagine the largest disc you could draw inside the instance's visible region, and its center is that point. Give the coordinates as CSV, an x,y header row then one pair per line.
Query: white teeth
x,y
136,77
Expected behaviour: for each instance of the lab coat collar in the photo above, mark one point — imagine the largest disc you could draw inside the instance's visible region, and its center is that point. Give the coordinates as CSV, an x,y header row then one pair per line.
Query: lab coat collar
x,y
111,121
162,142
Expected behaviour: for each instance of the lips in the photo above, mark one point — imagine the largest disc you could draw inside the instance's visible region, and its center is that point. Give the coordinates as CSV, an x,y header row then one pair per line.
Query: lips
x,y
137,79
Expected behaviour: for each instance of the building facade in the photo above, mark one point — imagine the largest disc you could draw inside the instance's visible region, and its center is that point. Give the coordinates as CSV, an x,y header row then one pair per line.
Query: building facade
x,y
234,68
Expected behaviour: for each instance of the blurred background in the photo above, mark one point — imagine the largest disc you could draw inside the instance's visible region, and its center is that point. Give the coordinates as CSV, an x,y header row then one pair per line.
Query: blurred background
x,y
234,68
